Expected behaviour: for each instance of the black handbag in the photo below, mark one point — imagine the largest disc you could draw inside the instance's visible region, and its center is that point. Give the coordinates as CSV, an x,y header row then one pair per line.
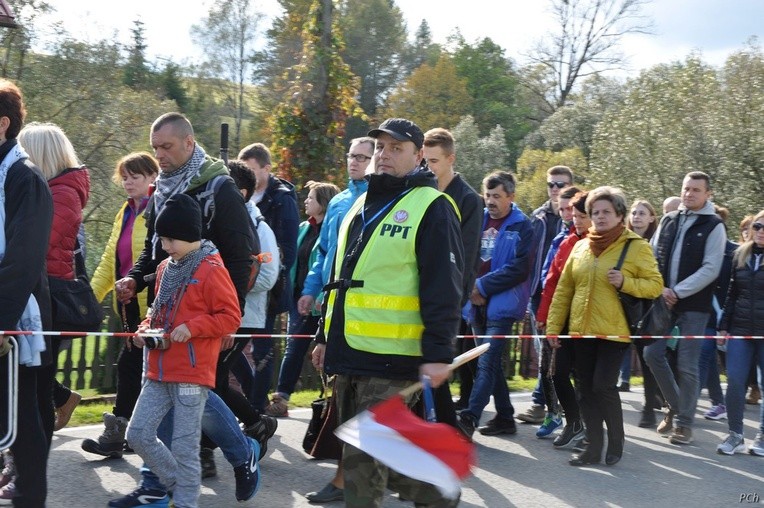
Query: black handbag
x,y
73,304
320,441
638,310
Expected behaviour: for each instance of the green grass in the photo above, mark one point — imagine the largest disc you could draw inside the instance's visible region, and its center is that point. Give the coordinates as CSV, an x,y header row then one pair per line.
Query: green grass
x,y
91,413
83,386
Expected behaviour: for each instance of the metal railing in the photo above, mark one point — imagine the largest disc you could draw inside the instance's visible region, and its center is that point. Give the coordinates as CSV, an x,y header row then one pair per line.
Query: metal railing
x,y
12,357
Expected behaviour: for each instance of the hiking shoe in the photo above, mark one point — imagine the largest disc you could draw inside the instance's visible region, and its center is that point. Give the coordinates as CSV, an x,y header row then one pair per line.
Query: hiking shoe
x,y
248,474
754,395
142,496
207,458
667,425
732,445
570,433
551,422
466,424
111,443
681,435
64,413
498,425
278,408
717,412
534,414
757,447
9,469
7,493
261,431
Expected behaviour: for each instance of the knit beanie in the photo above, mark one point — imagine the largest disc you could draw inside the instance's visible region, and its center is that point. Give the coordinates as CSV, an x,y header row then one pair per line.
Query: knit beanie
x,y
180,219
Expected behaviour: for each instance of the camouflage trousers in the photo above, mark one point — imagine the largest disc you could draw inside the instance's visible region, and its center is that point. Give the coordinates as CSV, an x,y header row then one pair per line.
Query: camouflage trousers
x,y
365,478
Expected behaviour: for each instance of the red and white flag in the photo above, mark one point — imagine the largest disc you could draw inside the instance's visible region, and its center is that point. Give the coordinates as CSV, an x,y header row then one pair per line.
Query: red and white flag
x,y
435,453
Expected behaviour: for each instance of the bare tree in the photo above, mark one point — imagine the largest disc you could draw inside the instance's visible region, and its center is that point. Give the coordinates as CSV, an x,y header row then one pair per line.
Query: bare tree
x,y
586,43
228,36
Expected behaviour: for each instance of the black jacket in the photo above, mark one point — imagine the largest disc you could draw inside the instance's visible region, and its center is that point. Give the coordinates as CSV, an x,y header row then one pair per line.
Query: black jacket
x,y
744,308
470,206
230,231
28,219
440,284
279,208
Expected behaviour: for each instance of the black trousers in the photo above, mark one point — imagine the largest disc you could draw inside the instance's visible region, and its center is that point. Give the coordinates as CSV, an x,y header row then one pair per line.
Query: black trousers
x,y
35,431
597,363
563,386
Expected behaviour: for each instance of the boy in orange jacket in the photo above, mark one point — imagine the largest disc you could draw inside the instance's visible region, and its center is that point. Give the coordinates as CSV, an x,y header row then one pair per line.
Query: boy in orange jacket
x,y
195,306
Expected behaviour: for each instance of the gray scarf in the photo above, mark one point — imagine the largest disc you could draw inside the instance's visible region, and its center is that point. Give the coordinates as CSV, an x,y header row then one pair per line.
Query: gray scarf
x,y
175,277
169,184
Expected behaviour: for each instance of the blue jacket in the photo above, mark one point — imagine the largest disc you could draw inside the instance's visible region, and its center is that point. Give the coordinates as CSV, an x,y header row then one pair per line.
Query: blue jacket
x,y
319,273
507,286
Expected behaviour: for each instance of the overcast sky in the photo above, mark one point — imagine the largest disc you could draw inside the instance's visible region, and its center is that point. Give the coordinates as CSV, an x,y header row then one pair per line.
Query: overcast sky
x,y
715,28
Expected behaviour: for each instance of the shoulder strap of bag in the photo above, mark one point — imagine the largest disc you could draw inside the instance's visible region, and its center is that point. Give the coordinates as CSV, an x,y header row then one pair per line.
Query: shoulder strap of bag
x,y
619,264
80,272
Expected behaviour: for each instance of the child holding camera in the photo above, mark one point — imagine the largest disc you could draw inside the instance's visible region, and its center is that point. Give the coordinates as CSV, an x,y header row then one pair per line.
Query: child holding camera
x,y
195,306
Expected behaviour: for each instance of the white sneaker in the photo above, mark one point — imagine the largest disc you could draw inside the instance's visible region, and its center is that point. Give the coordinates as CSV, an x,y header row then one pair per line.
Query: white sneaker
x,y
757,447
732,445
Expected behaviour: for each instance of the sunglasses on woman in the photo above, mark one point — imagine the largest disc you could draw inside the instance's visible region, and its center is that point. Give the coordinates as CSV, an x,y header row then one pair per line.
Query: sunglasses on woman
x,y
757,226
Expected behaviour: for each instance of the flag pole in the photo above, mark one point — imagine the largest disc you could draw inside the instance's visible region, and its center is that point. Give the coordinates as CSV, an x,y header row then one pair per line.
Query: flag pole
x,y
457,362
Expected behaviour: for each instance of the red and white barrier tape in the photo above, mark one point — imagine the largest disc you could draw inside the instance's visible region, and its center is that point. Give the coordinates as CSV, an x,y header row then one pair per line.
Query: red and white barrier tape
x,y
305,336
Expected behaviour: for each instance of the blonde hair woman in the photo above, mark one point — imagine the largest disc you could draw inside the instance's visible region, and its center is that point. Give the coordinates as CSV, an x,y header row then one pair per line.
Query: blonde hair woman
x,y
69,182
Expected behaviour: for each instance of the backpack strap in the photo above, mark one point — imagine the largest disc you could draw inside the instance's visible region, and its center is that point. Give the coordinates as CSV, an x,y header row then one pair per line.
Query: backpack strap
x,y
206,198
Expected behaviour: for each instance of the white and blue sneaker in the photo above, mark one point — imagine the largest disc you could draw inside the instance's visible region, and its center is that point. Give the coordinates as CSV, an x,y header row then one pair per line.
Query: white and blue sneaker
x,y
732,445
550,423
757,448
248,474
142,496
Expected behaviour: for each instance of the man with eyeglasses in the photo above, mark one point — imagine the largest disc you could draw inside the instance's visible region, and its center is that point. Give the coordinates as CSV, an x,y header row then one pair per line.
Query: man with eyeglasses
x,y
358,159
547,224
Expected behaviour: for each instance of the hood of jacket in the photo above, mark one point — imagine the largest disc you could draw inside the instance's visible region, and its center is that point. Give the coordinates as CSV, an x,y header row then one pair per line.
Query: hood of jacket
x,y
209,169
77,179
708,209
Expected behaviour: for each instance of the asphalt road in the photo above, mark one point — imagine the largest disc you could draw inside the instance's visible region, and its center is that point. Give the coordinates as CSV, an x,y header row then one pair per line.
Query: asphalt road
x,y
518,470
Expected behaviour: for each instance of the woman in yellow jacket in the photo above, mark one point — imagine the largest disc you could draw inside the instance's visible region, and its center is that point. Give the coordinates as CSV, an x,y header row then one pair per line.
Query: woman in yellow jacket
x,y
586,298
135,173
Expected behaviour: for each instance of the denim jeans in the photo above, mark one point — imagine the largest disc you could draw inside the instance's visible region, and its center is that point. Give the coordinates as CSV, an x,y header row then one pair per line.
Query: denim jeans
x,y
708,370
682,397
490,379
219,424
625,374
294,356
740,355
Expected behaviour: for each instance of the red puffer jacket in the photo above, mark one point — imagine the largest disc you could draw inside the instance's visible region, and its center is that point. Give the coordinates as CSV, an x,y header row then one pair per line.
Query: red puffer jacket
x,y
70,191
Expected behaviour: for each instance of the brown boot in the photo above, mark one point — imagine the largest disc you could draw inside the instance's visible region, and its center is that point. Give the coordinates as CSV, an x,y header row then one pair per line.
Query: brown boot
x,y
754,395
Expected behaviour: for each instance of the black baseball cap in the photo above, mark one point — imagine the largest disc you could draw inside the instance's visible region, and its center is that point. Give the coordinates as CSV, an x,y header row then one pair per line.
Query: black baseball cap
x,y
401,129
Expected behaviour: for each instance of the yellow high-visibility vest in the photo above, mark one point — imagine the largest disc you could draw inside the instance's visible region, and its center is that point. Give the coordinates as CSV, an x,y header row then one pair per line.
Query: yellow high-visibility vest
x,y
382,316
